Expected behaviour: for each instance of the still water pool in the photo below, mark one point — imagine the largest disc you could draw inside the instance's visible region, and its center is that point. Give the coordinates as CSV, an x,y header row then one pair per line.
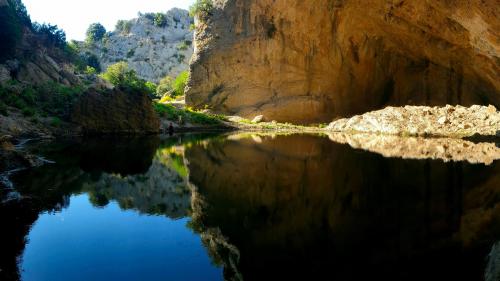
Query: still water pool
x,y
247,207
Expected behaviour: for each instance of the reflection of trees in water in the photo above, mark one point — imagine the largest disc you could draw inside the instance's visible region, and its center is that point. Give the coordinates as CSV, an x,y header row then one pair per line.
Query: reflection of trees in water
x,y
162,190
157,188
302,207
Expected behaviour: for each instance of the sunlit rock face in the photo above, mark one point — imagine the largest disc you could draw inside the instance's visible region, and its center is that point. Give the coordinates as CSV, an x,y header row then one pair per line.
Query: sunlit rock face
x,y
311,61
152,51
332,211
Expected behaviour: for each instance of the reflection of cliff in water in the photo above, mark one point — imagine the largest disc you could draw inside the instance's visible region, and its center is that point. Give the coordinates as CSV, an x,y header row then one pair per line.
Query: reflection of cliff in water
x,y
304,207
152,182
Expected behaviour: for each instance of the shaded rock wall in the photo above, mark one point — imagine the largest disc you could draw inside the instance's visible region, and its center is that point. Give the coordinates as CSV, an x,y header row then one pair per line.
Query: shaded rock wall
x,y
115,111
311,61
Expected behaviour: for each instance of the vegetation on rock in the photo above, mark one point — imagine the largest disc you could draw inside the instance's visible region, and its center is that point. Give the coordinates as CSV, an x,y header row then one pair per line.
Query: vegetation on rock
x,y
175,114
95,32
173,87
120,75
201,8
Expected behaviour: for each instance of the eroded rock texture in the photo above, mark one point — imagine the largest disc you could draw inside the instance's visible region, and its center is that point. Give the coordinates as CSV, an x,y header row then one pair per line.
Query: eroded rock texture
x,y
310,61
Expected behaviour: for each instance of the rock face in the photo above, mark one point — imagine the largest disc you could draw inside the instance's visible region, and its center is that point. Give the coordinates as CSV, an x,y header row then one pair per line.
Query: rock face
x,y
448,121
311,61
152,51
115,111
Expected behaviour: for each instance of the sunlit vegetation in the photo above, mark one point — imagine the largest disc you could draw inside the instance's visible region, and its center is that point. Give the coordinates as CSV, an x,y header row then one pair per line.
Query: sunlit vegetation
x,y
184,45
173,87
201,8
170,112
123,26
160,20
120,75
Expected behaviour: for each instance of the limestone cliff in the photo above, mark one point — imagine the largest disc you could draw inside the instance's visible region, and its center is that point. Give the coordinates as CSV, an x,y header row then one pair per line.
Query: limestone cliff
x,y
311,61
152,51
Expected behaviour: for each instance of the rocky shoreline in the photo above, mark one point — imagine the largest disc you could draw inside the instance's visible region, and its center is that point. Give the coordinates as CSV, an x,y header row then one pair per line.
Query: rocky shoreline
x,y
448,121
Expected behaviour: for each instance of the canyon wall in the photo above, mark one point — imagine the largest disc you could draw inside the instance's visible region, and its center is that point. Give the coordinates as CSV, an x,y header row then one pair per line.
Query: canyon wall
x,y
152,51
311,61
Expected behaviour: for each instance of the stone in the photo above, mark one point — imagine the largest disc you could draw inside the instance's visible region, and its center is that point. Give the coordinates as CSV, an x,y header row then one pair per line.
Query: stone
x,y
419,121
312,61
258,119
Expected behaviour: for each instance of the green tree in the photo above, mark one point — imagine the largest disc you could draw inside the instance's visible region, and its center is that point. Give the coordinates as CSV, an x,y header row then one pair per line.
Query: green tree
x,y
95,32
165,86
10,31
51,35
123,26
180,83
120,75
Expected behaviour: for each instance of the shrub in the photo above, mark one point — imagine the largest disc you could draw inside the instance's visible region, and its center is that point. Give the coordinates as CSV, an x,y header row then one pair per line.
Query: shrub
x,y
124,26
120,75
201,8
183,46
130,53
89,70
55,122
95,32
160,20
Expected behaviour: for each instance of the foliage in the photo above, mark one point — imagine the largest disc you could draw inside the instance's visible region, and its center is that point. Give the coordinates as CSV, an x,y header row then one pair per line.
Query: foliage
x,y
165,86
160,20
180,84
51,35
49,99
173,87
183,46
124,26
21,12
10,32
130,53
150,86
172,113
89,70
201,8
120,75
95,32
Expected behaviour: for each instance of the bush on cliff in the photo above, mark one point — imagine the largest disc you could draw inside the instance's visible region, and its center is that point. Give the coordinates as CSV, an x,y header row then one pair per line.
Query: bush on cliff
x,y
201,8
95,33
160,20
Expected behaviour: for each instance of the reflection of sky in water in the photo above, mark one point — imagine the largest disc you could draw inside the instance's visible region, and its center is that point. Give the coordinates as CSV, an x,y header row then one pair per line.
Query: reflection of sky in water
x,y
86,243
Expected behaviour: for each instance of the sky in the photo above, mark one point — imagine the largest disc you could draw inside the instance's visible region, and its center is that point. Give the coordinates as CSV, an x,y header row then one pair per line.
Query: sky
x,y
74,16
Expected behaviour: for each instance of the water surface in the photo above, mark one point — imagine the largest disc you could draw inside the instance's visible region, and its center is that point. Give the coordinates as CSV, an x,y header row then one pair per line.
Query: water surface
x,y
248,207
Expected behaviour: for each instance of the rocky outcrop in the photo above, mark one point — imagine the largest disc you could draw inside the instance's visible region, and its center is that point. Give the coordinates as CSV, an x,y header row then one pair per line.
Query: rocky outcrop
x,y
448,121
152,51
115,111
311,61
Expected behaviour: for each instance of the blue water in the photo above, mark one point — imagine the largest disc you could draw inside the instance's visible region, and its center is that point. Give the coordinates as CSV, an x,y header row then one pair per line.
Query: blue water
x,y
85,243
